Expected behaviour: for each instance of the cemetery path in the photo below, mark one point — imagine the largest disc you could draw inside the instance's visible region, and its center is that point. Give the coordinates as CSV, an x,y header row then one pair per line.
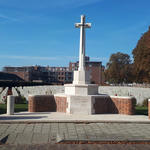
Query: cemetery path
x,y
59,134
77,147
63,117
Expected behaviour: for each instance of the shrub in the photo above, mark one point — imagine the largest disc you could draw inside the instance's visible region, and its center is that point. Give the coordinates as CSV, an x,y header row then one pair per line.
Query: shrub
x,y
145,102
20,100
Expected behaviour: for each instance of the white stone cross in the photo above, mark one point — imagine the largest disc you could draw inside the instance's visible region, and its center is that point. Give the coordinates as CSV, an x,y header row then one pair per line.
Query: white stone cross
x,y
82,27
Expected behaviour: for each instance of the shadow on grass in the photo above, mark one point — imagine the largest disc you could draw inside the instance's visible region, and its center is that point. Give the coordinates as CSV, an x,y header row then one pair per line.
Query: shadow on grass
x,y
141,110
18,108
21,117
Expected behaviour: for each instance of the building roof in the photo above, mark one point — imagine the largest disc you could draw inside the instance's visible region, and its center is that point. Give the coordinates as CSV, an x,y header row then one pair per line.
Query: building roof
x,y
9,77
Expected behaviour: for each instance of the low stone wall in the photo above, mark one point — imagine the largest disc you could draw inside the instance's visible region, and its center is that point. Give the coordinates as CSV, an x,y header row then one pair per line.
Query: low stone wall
x,y
41,103
102,104
138,92
115,105
47,103
61,103
124,105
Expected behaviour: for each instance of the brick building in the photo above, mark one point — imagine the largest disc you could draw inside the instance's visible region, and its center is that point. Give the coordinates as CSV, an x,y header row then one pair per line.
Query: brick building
x,y
42,74
61,74
95,67
22,72
58,75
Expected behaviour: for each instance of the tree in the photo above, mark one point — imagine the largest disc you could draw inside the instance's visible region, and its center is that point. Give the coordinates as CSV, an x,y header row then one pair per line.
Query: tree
x,y
141,54
118,69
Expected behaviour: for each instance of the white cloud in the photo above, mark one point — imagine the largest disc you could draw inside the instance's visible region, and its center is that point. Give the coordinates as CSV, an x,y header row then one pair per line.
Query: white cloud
x,y
37,4
27,57
38,57
4,17
75,3
99,58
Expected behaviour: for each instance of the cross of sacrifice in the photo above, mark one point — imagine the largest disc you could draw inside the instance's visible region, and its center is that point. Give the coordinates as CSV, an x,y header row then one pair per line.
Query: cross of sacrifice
x,y
82,27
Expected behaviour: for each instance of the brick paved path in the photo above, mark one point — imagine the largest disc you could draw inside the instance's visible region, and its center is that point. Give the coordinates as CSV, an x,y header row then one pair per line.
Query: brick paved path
x,y
40,133
77,147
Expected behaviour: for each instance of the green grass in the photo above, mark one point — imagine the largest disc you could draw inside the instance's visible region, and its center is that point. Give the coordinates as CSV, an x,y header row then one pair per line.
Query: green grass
x,y
141,110
18,108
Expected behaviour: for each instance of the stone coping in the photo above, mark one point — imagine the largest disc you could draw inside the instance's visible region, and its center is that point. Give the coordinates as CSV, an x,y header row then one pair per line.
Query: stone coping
x,y
98,95
32,95
80,85
123,97
60,95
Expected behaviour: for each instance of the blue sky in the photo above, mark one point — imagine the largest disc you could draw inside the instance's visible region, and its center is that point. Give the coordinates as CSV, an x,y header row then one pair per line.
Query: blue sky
x,y
42,32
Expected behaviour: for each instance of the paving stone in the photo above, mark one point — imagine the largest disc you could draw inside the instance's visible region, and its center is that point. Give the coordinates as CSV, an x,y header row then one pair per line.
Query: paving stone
x,y
76,147
40,138
29,128
3,128
48,132
53,132
20,128
25,138
11,139
45,128
11,128
37,128
72,133
63,131
89,132
81,132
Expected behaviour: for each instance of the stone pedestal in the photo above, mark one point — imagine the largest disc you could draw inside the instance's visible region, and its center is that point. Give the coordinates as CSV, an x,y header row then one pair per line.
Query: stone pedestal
x,y
10,105
80,105
79,98
81,89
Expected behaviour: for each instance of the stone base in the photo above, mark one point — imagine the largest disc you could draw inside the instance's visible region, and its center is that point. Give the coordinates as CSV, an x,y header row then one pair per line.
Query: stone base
x,y
81,90
80,105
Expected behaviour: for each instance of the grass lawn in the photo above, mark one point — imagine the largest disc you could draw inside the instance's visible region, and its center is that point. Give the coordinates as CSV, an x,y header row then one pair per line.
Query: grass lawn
x,y
18,108
141,110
